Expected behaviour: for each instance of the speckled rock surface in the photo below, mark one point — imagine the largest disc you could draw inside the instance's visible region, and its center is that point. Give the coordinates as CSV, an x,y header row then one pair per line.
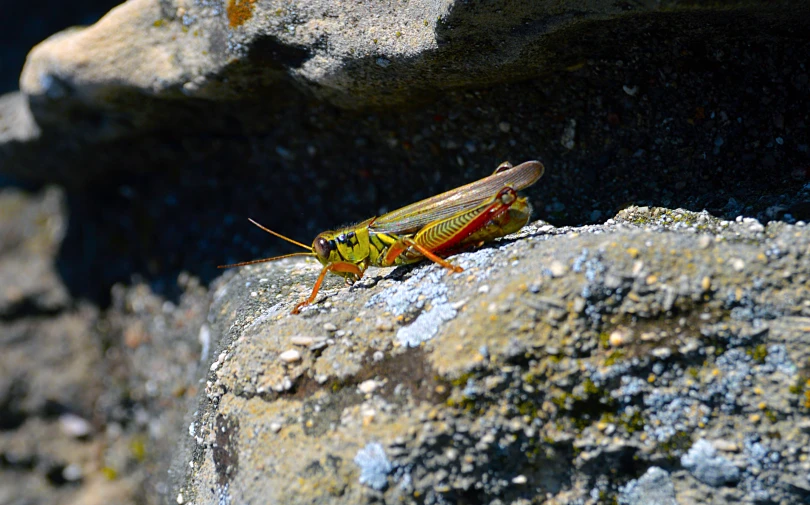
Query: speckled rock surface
x,y
155,69
352,54
91,399
570,375
563,364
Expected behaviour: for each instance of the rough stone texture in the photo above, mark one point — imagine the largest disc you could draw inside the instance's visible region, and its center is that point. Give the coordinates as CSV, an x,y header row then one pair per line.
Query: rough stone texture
x,y
569,373
91,401
30,234
653,488
573,360
662,111
156,68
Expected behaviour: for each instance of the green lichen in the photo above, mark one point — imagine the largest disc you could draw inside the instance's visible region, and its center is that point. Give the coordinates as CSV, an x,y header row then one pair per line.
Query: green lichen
x,y
590,388
668,217
633,422
527,408
604,340
462,380
677,444
614,357
758,353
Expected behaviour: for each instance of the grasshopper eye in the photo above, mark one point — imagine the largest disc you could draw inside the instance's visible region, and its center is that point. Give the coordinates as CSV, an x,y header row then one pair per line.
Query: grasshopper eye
x,y
322,247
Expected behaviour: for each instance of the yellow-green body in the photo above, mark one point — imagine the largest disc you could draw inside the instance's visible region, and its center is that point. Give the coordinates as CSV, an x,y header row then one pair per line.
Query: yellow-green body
x,y
436,227
462,218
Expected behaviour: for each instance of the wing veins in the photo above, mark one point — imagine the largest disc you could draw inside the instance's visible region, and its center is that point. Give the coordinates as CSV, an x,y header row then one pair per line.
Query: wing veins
x,y
413,217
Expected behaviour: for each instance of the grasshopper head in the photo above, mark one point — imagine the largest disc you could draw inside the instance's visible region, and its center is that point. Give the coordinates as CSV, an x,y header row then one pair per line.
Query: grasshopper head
x,y
325,248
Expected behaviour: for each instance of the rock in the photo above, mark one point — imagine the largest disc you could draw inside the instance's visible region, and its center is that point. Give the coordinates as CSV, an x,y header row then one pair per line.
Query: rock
x,y
17,123
374,466
178,172
171,122
150,66
89,397
709,467
655,487
290,356
446,418
32,229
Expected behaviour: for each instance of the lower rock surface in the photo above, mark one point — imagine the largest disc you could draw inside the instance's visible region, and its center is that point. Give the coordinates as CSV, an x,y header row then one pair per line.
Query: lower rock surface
x,y
564,365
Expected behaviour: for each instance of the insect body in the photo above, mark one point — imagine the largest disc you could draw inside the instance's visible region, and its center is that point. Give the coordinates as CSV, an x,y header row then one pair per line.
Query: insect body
x,y
436,227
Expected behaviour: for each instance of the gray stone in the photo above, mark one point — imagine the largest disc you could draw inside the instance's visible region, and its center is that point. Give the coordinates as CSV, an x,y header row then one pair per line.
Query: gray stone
x,y
441,429
653,488
212,68
709,467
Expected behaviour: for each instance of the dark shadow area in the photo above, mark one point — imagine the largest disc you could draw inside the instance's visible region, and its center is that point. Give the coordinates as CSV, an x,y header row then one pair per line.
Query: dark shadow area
x,y
673,112
23,26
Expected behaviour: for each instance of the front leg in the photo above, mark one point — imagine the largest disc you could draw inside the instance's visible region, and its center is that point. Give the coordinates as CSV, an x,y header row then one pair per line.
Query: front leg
x,y
337,267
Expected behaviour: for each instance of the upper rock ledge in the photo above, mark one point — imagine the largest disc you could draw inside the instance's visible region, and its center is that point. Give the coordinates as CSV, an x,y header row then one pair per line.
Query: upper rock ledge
x,y
234,68
350,54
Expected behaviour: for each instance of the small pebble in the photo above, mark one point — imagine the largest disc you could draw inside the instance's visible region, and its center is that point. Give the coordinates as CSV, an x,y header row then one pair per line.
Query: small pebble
x,y
520,479
384,325
306,341
275,427
329,327
459,304
619,337
725,445
369,386
290,356
72,472
483,289
74,425
737,264
706,283
557,268
648,336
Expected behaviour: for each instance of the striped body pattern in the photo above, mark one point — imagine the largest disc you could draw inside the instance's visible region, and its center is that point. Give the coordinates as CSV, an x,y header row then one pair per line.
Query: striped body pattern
x,y
434,228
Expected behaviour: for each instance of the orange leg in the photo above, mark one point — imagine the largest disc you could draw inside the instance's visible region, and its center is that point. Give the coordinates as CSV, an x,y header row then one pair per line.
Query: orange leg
x,y
469,222
332,267
403,244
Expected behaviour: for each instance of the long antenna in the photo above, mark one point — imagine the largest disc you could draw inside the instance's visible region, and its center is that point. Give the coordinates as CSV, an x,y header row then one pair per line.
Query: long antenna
x,y
274,258
265,260
279,235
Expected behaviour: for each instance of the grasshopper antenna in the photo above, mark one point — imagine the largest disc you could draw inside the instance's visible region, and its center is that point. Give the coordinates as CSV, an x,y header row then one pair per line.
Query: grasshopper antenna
x,y
279,235
274,258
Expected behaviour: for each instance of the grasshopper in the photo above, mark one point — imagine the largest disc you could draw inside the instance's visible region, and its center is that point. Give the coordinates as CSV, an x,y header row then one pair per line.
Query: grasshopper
x,y
437,227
